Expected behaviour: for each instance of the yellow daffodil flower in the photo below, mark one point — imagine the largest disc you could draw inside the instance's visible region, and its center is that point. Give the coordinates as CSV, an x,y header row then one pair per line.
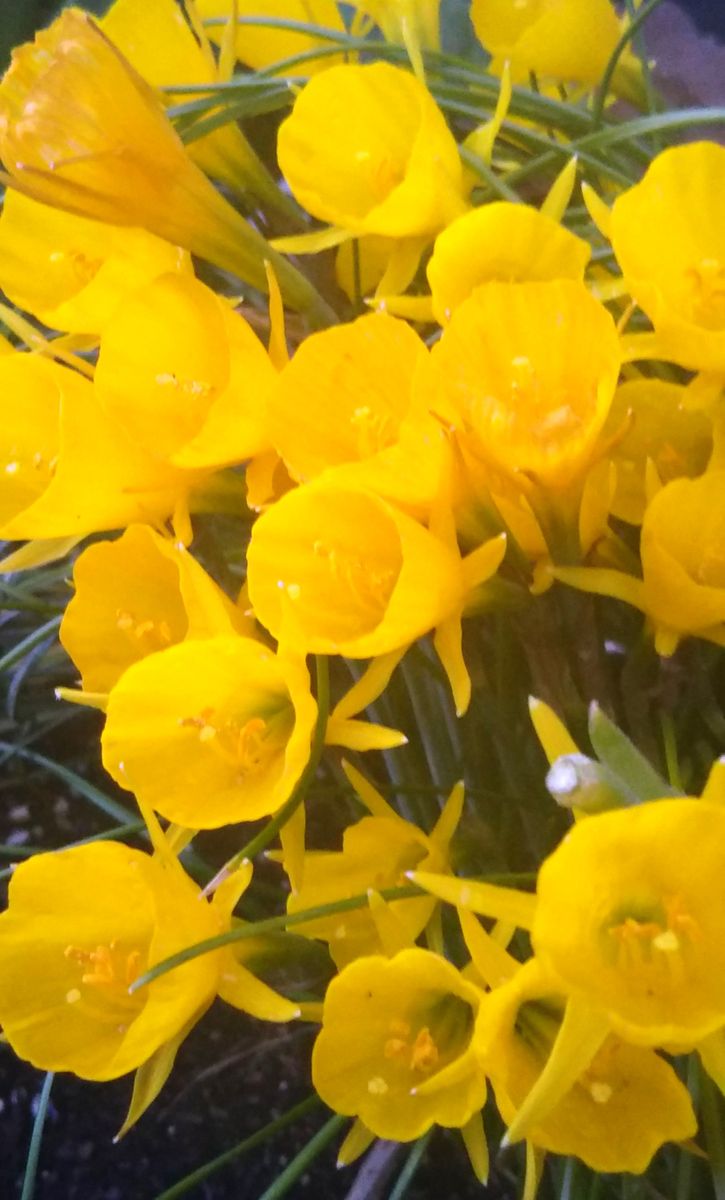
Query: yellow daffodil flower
x,y
82,131
567,40
82,924
500,241
530,369
668,235
137,595
66,468
73,273
345,405
376,852
660,427
348,163
210,732
185,375
159,43
396,1049
627,918
350,574
682,590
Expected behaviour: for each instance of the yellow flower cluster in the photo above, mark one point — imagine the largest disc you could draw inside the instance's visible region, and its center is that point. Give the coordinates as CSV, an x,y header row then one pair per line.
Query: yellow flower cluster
x,y
490,396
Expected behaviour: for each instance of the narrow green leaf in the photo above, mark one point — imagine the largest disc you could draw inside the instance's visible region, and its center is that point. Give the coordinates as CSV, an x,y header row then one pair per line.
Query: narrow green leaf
x,y
301,1161
413,1161
624,760
36,1139
256,1139
29,643
87,790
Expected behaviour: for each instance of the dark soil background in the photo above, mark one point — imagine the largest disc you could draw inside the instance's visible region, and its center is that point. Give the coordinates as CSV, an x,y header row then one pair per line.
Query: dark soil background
x,y
234,1075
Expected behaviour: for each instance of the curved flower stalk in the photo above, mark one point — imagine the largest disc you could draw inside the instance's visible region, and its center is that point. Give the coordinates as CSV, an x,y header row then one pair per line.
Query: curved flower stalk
x,y
376,853
212,732
345,406
258,46
138,30
396,1046
82,131
565,40
682,590
349,574
669,239
135,596
69,469
185,376
347,163
73,273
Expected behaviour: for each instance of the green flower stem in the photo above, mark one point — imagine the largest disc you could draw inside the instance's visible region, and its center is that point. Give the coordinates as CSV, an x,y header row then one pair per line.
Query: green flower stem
x,y
600,97
495,183
286,920
301,1161
36,1139
411,1166
29,643
249,1143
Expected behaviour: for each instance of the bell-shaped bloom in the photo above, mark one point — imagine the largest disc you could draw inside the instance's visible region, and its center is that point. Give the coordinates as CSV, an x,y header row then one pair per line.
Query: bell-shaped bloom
x,y
210,732
73,273
137,595
259,46
628,919
67,468
660,426
566,40
396,1047
345,403
367,149
682,589
82,131
376,853
185,375
625,1105
352,575
529,370
81,926
159,43
668,235
500,241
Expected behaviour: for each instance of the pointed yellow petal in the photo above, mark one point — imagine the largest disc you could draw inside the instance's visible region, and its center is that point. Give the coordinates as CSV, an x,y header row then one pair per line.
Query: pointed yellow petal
x,y
581,1034
598,211
292,837
38,553
390,929
230,888
559,194
448,644
240,988
481,563
150,1078
371,684
97,700
714,790
551,731
362,735
474,1139
312,243
481,141
488,899
370,797
603,581
413,308
277,347
534,1169
492,962
447,823
712,1052
357,1141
